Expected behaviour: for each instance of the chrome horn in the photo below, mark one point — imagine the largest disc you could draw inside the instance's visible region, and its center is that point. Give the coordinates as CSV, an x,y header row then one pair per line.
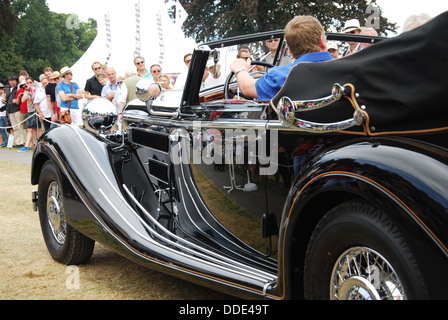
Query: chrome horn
x,y
287,108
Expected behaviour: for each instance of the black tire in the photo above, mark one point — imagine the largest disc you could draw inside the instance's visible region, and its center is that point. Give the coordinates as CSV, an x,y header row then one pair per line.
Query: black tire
x,y
349,237
65,244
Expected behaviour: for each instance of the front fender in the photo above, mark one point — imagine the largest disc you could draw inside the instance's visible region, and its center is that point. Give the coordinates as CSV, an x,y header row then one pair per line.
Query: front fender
x,y
94,202
64,145
83,164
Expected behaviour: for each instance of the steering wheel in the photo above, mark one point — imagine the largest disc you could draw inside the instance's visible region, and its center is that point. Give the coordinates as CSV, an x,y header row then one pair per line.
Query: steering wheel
x,y
227,89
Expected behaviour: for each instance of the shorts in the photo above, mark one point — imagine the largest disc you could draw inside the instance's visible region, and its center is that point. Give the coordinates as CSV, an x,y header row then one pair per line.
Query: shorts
x,y
33,121
76,115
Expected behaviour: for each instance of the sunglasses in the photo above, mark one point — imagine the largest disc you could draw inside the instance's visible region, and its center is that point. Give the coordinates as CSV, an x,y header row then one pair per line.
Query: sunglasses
x,y
139,63
187,61
273,40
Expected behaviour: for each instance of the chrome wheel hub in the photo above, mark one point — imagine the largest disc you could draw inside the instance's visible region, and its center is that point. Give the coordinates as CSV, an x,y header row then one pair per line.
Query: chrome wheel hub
x,y
363,274
55,214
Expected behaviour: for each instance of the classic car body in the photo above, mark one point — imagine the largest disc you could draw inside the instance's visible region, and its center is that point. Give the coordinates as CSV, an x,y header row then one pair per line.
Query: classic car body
x,y
335,189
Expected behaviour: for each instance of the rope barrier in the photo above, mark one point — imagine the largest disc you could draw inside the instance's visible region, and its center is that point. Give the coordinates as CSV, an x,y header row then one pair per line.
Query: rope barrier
x,y
20,123
30,117
24,121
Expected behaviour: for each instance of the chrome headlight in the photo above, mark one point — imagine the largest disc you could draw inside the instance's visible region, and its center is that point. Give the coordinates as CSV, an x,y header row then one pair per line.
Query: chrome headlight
x,y
99,115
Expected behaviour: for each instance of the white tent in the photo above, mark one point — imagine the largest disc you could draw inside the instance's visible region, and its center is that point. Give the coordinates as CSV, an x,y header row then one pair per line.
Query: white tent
x,y
130,28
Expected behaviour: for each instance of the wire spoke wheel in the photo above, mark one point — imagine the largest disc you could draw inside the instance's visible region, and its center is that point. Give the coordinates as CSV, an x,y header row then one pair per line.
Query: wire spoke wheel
x,y
64,243
56,220
363,274
357,252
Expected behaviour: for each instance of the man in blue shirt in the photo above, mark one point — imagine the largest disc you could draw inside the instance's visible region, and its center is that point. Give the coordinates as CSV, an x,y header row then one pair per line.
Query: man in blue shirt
x,y
111,88
306,40
70,93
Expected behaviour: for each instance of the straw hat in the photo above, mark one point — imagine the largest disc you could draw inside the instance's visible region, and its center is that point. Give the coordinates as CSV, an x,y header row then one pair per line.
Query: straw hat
x,y
351,25
55,75
64,71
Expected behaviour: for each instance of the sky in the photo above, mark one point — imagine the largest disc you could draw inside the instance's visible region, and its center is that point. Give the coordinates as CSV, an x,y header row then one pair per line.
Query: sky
x,y
395,10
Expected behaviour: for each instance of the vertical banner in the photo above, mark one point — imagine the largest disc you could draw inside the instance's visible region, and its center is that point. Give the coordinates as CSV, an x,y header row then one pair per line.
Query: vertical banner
x,y
161,41
108,37
138,44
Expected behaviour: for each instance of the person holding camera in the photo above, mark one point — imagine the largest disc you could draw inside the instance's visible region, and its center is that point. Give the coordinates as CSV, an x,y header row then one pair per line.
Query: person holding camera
x,y
33,124
13,98
3,120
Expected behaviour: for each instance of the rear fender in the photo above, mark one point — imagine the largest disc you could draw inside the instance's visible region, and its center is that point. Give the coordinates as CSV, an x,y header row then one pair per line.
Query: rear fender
x,y
385,174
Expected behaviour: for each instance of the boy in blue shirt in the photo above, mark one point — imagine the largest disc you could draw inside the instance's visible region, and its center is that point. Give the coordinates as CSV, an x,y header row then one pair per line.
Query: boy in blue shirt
x,y
306,40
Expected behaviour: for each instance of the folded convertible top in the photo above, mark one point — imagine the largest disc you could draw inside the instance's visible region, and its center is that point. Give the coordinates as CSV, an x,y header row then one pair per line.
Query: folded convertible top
x,y
401,81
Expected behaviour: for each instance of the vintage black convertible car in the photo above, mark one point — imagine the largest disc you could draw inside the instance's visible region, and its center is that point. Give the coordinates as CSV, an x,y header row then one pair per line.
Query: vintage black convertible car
x,y
335,189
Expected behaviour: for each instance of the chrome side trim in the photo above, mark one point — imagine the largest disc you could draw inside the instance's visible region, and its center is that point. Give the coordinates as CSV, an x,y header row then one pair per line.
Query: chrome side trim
x,y
221,124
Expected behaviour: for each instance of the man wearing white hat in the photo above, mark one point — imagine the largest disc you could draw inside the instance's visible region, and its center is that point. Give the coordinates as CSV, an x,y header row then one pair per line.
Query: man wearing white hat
x,y
352,26
53,99
70,93
215,77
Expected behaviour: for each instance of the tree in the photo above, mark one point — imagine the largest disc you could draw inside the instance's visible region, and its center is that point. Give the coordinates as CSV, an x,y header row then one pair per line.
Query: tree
x,y
43,39
209,19
7,19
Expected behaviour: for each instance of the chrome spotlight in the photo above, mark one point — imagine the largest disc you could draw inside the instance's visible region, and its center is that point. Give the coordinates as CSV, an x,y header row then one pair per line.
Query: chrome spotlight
x,y
147,90
142,89
99,115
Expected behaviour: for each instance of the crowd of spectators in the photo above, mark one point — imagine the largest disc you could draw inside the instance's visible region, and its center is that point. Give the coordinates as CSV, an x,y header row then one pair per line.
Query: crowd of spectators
x,y
28,107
